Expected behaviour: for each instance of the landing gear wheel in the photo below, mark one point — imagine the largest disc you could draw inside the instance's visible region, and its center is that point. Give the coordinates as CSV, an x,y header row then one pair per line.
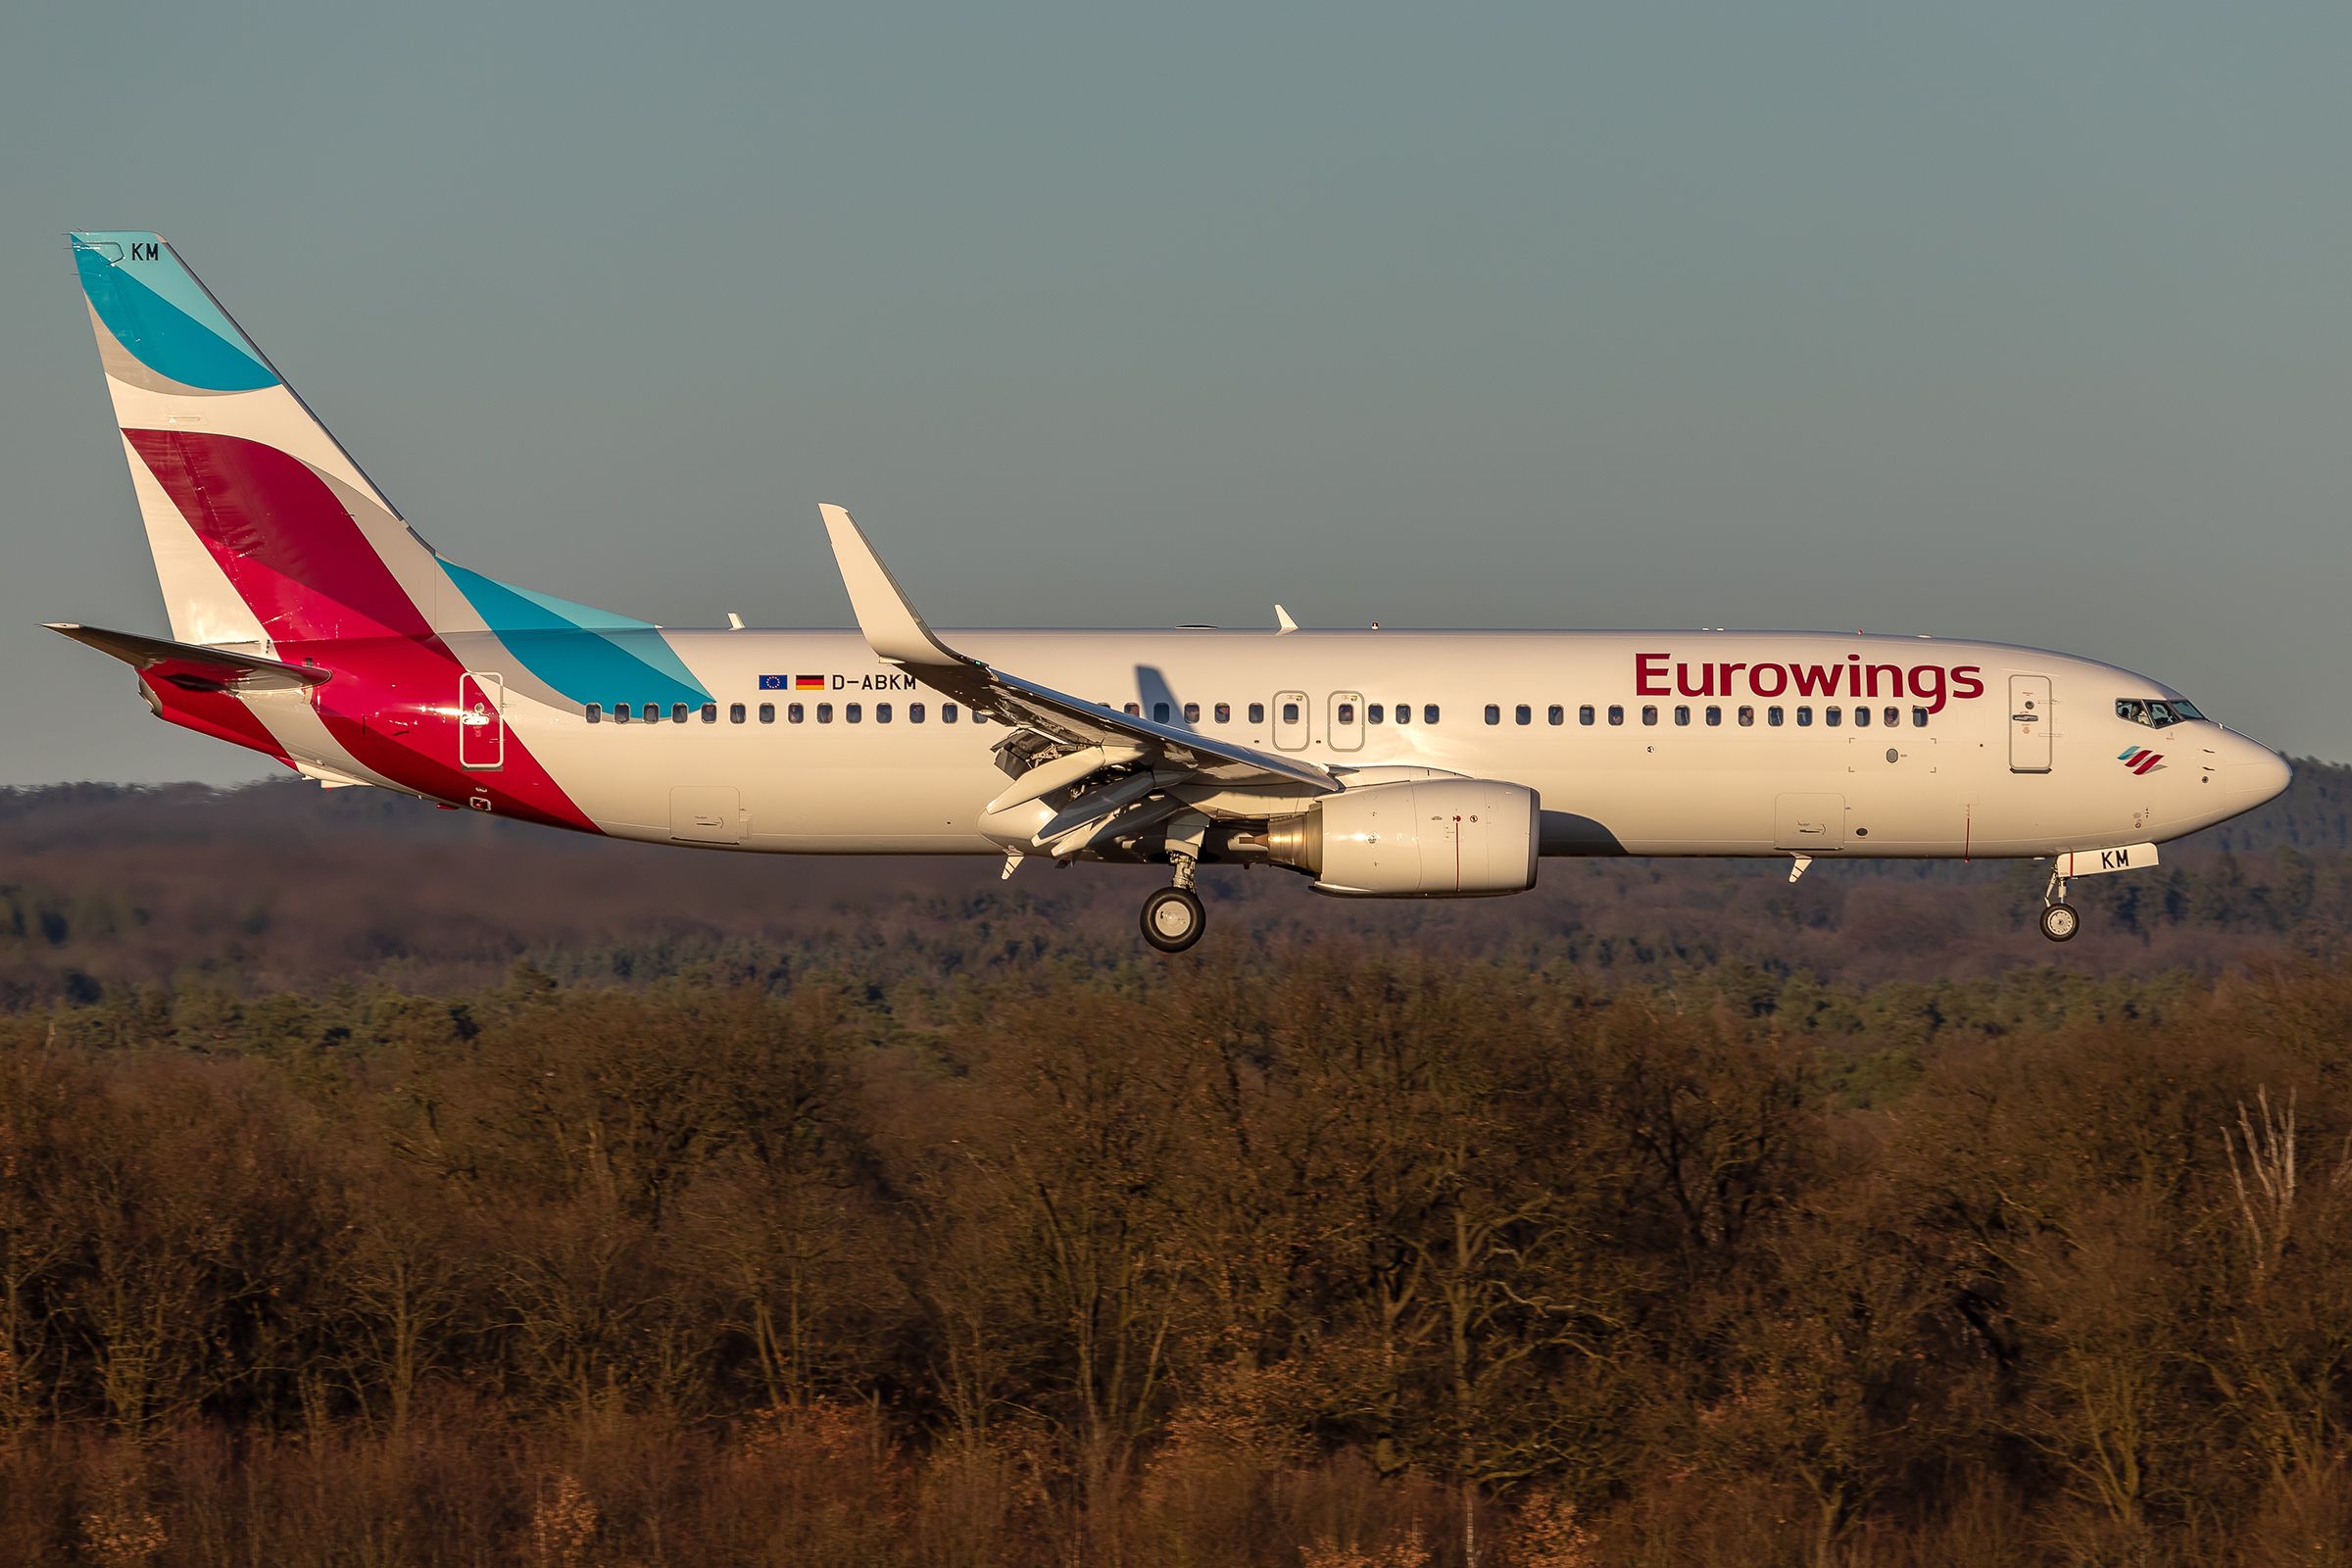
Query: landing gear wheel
x,y
1173,919
2060,922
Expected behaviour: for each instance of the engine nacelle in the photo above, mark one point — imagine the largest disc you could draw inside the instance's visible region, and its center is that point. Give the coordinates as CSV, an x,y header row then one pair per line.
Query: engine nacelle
x,y
1443,838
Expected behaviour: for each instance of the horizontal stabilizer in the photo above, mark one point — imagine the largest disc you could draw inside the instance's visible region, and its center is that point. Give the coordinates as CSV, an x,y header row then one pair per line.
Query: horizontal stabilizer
x,y
192,666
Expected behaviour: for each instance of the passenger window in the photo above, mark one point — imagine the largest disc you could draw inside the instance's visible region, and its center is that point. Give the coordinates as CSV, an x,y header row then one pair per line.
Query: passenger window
x,y
1584,715
1832,717
1135,709
1290,713
1429,712
1159,712
1224,713
1714,714
852,712
1804,717
709,713
596,712
677,713
824,712
1346,712
915,713
1919,718
793,713
1774,715
1524,714
1748,717
1374,714
1616,713
881,713
1682,713
1861,717
1893,717
653,712
1649,713
734,712
767,712
946,712
1493,713
1257,713
1405,712
1192,712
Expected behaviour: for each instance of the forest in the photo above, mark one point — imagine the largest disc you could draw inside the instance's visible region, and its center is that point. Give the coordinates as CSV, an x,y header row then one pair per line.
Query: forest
x,y
382,1186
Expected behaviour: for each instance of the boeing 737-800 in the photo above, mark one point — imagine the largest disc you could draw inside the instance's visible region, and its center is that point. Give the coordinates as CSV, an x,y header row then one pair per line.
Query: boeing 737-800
x,y
311,624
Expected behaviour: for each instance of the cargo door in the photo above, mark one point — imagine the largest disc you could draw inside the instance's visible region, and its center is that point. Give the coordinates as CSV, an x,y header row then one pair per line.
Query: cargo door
x,y
2029,723
481,724
705,813
1808,823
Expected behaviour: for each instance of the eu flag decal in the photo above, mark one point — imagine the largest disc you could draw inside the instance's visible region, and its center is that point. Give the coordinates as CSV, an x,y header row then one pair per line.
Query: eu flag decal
x,y
774,683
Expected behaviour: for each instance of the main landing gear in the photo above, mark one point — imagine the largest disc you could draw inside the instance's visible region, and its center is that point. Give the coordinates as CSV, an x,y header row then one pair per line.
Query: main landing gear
x,y
2059,921
1173,918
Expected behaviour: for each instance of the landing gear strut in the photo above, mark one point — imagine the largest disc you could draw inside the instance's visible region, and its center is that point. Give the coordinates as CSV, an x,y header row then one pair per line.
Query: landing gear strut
x,y
2059,921
1173,918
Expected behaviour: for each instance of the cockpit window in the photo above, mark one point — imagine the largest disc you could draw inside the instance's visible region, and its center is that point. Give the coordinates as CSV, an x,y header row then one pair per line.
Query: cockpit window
x,y
2154,712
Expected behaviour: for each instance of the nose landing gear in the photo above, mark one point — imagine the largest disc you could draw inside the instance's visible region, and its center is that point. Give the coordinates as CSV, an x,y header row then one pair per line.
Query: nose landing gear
x,y
1173,918
2059,918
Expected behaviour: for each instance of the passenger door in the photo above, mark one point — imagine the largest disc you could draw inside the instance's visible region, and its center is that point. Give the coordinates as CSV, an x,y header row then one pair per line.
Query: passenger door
x,y
482,725
1289,720
1344,729
2029,723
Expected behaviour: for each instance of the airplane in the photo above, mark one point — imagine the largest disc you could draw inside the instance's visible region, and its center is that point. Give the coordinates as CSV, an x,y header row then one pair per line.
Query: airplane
x,y
311,624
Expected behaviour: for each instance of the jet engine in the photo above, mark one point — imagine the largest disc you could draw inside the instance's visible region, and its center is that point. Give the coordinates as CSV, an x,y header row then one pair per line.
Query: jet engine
x,y
1440,838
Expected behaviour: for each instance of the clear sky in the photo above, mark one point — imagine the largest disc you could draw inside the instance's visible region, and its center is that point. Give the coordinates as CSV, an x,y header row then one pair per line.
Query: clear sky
x,y
2023,321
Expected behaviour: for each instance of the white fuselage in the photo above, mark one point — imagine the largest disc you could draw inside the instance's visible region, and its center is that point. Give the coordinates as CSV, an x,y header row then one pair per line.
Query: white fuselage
x,y
1637,743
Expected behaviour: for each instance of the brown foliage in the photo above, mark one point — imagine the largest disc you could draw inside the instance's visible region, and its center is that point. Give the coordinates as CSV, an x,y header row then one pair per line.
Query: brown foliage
x,y
1321,1253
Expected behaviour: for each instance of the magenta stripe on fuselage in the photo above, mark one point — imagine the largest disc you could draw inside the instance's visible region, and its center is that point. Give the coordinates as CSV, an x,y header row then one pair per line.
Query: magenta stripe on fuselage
x,y
320,591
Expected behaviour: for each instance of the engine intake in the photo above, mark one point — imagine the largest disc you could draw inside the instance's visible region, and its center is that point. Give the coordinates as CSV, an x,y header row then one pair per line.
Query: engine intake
x,y
1421,839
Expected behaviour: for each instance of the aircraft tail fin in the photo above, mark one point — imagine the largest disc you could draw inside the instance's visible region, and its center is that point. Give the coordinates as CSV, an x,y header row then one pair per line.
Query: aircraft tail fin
x,y
261,526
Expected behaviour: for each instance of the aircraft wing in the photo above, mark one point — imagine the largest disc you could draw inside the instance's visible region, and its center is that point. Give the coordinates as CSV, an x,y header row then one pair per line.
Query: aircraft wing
x,y
183,663
899,636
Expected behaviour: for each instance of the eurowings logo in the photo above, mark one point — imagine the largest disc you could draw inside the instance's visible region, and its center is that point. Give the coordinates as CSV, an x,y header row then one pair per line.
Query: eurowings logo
x,y
2140,759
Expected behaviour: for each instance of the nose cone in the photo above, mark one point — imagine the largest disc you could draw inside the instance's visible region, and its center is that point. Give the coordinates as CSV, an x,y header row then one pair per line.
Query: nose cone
x,y
2253,774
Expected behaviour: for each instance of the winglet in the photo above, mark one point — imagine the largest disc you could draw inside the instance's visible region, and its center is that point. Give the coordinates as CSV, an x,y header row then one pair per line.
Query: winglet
x,y
893,628
1282,621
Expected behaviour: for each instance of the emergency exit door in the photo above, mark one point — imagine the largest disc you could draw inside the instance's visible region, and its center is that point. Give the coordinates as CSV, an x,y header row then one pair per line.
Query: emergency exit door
x,y
2029,723
481,726
1289,720
1344,729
